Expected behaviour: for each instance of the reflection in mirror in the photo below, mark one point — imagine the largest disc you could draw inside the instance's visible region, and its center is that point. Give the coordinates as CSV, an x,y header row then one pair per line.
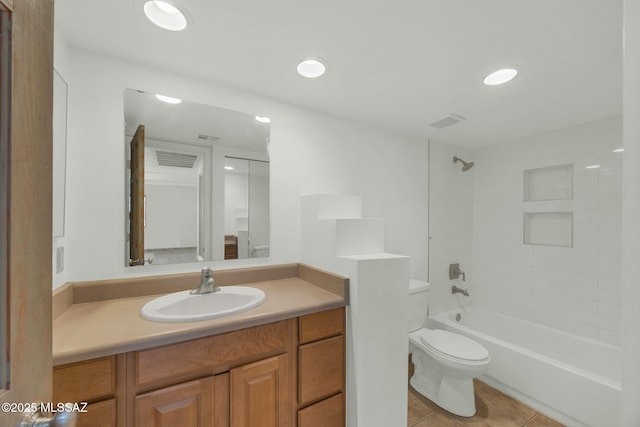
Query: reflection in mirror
x,y
60,89
246,208
5,119
182,205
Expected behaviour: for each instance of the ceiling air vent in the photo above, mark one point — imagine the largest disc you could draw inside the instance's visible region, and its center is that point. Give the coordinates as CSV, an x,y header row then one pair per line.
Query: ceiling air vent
x,y
446,121
176,160
208,137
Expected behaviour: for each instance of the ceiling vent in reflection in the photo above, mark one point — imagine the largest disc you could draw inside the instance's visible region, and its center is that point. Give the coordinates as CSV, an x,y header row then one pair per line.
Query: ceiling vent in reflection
x,y
446,121
176,160
208,137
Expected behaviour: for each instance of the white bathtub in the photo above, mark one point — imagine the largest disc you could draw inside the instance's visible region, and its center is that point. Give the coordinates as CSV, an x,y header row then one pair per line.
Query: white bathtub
x,y
573,379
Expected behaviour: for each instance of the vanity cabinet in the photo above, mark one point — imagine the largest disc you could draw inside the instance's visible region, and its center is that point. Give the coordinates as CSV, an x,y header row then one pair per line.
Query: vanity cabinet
x,y
282,374
98,382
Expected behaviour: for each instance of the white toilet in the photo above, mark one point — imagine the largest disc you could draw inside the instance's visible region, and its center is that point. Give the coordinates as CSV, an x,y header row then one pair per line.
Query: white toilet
x,y
261,251
444,363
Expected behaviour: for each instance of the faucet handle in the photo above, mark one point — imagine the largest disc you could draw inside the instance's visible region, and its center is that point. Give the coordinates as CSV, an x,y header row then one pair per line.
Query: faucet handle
x,y
207,283
207,272
455,272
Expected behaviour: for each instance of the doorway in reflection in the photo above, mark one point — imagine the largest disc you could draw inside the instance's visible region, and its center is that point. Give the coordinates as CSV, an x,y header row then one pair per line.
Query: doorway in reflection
x,y
174,202
246,208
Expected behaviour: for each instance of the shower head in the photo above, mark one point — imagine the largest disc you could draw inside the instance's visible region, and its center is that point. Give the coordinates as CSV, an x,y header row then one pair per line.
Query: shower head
x,y
465,166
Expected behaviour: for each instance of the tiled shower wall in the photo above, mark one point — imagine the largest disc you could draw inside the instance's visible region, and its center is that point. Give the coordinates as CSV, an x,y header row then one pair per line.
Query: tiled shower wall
x,y
570,278
450,225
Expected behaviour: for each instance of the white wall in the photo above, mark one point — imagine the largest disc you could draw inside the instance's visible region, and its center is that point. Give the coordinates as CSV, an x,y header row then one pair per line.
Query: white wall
x,y
258,204
337,238
171,217
309,152
450,225
575,289
62,64
631,217
236,196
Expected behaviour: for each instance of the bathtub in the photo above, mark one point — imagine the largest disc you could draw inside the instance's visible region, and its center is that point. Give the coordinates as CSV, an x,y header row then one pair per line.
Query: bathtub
x,y
572,379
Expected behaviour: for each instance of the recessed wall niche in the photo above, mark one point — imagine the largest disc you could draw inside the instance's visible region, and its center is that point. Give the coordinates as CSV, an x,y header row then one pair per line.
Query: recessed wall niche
x,y
548,228
548,183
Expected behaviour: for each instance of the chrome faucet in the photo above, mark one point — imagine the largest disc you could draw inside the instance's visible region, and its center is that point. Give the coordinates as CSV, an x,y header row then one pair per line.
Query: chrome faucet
x,y
207,283
457,290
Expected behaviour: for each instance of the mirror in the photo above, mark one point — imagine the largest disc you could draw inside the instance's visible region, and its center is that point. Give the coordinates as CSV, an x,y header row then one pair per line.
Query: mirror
x,y
60,89
198,182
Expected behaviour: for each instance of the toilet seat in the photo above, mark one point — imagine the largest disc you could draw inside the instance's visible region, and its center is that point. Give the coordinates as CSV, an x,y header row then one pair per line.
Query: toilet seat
x,y
453,346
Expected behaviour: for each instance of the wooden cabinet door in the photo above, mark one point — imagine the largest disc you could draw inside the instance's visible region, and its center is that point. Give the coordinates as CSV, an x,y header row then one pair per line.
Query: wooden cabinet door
x,y
260,394
191,404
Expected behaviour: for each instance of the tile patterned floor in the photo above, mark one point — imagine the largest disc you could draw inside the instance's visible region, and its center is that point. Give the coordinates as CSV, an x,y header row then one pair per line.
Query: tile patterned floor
x,y
494,409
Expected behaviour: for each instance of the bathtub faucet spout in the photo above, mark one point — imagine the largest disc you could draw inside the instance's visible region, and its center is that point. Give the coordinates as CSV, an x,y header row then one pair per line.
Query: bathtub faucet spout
x,y
457,290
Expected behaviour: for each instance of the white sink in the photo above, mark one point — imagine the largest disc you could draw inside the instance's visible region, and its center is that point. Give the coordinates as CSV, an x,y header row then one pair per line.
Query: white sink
x,y
184,307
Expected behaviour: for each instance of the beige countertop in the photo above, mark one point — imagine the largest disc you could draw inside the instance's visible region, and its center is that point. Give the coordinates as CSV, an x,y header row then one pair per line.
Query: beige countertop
x,y
105,327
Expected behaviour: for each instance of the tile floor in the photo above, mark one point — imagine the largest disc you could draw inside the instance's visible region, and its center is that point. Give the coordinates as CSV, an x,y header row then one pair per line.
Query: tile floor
x,y
494,409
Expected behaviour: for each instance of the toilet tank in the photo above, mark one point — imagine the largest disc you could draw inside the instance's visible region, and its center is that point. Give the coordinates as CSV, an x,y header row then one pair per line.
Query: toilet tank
x,y
261,251
418,303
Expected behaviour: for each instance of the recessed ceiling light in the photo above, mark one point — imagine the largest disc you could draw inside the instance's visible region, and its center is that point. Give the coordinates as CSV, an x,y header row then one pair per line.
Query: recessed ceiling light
x,y
229,168
168,99
500,77
263,119
165,15
592,167
618,150
311,68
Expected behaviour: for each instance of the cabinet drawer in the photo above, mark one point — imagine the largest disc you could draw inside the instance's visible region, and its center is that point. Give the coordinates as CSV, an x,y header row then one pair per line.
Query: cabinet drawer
x,y
205,354
321,325
99,414
327,413
321,369
85,381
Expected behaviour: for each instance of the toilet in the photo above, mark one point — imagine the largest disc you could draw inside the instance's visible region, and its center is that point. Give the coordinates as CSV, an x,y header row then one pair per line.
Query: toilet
x,y
261,251
445,363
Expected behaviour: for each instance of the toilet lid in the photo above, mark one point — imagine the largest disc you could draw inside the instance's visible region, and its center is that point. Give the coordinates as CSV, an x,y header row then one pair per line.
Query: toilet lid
x,y
453,345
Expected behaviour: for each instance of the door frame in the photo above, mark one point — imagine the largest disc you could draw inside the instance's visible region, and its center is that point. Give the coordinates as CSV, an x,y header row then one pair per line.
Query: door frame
x,y
29,272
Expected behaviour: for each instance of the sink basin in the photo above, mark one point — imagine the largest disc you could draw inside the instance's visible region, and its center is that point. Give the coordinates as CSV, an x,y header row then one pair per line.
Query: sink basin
x,y
184,307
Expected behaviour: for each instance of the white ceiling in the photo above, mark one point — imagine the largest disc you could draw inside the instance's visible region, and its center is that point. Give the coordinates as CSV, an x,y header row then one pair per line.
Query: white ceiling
x,y
393,64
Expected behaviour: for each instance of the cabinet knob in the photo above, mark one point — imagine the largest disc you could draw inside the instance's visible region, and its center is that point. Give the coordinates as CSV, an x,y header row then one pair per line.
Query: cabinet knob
x,y
59,419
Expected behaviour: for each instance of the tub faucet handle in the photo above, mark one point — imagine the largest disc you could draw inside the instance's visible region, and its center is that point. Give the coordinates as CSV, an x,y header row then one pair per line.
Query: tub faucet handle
x,y
455,272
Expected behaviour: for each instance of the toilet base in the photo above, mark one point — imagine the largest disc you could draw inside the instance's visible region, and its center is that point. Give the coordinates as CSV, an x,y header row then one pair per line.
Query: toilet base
x,y
452,394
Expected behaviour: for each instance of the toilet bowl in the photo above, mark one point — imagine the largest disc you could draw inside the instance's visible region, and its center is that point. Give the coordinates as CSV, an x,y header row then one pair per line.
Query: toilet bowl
x,y
444,367
444,363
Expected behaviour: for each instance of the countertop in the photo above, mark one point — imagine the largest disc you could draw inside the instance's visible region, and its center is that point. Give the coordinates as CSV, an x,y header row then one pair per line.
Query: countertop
x,y
101,328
